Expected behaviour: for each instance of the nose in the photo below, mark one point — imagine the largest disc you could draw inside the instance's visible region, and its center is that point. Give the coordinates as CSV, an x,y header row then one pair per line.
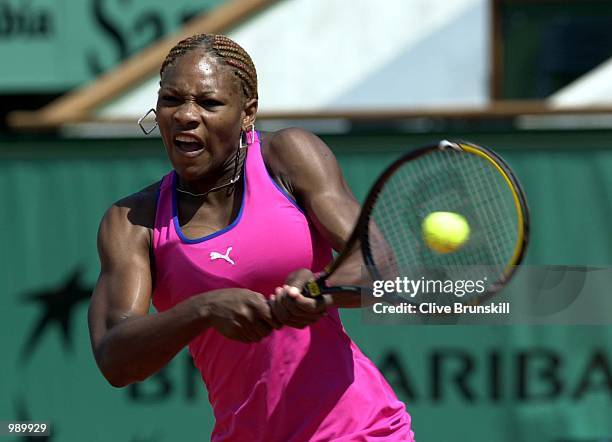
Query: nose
x,y
186,115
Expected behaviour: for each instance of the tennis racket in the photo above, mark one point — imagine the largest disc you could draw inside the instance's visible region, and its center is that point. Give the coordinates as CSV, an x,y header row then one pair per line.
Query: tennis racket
x,y
457,177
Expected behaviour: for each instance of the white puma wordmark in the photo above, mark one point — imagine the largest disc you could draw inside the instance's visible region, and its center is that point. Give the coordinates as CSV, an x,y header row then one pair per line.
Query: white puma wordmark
x,y
217,255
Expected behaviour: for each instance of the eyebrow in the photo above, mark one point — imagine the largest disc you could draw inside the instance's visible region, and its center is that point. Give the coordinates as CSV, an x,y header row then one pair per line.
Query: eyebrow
x,y
176,91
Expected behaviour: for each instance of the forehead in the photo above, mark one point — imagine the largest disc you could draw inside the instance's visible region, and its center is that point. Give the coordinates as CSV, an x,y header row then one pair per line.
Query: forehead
x,y
197,70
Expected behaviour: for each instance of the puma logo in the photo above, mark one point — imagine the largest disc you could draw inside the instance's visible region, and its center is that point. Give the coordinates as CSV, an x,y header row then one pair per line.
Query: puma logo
x,y
217,255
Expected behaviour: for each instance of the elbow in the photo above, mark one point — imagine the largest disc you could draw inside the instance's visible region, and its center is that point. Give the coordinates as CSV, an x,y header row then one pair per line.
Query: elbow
x,y
116,381
114,372
120,375
113,360
116,378
121,380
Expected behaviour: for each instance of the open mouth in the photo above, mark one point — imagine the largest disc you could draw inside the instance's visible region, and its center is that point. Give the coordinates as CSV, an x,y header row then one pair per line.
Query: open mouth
x,y
188,144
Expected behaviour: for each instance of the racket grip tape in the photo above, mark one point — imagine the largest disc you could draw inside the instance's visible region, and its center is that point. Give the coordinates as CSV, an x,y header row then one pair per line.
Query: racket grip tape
x,y
312,289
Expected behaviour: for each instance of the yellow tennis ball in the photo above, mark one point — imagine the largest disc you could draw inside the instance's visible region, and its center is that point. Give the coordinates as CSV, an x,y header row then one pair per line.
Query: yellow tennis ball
x,y
445,232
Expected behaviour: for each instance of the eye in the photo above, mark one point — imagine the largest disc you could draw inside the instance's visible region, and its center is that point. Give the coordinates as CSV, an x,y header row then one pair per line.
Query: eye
x,y
209,103
169,99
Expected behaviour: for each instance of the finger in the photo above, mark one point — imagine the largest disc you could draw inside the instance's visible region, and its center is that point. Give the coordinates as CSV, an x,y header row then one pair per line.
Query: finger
x,y
257,320
308,304
293,291
270,319
243,330
299,278
317,304
254,332
275,322
300,305
261,328
286,311
238,333
279,311
265,328
289,303
246,317
264,312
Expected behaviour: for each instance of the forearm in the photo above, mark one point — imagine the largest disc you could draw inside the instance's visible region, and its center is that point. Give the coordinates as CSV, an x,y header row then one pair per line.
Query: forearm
x,y
138,347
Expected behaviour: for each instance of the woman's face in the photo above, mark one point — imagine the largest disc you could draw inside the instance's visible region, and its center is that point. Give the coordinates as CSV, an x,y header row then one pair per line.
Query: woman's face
x,y
200,112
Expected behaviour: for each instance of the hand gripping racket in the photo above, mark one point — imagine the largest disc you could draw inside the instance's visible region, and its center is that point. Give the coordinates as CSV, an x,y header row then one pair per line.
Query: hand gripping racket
x,y
457,177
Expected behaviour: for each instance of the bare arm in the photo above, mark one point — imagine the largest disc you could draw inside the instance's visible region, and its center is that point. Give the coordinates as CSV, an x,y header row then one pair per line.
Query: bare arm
x,y
129,344
311,171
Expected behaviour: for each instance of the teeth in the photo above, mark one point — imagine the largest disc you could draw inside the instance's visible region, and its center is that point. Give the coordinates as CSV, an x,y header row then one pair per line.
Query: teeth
x,y
185,139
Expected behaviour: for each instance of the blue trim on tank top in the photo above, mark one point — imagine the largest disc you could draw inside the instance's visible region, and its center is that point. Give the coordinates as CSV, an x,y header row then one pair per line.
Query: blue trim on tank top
x,y
177,227
284,192
278,186
158,196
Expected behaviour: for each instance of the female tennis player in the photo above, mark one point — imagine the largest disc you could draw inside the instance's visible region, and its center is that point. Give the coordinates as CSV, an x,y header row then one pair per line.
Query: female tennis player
x,y
212,245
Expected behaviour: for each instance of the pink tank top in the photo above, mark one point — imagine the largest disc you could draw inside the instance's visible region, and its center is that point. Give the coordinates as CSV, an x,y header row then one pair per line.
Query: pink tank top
x,y
295,385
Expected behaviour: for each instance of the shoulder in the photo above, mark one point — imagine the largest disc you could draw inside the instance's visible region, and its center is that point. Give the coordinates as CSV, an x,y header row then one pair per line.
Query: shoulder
x,y
290,141
290,136
131,217
293,149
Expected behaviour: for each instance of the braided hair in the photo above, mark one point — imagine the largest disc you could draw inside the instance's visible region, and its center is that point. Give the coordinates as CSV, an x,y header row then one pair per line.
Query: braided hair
x,y
224,49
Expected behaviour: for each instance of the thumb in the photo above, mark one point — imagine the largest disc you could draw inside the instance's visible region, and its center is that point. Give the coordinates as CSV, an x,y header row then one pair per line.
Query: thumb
x,y
299,278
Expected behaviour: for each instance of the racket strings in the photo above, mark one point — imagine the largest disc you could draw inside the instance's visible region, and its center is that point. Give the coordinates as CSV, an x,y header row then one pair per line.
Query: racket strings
x,y
444,181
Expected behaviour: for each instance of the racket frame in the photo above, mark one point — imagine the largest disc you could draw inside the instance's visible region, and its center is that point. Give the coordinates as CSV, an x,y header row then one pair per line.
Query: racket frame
x,y
360,233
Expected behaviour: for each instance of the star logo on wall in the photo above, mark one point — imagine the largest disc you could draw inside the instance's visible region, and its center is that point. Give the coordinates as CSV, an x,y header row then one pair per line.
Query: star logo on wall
x,y
57,307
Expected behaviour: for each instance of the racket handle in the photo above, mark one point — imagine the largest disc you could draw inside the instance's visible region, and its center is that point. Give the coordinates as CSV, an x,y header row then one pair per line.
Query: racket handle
x,y
313,288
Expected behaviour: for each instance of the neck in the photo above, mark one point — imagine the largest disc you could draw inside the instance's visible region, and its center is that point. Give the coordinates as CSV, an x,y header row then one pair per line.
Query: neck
x,y
231,175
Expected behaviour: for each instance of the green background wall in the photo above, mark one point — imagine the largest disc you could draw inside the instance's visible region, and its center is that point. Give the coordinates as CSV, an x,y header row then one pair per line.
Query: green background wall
x,y
524,383
56,45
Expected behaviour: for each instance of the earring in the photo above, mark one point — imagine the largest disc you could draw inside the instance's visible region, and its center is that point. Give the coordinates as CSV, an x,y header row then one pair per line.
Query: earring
x,y
141,119
250,131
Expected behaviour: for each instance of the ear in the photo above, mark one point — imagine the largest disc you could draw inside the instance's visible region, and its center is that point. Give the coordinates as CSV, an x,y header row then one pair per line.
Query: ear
x,y
249,113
